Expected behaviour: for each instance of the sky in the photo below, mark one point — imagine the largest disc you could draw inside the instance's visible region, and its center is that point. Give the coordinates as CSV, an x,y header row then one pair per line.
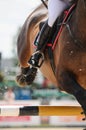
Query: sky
x,y
13,13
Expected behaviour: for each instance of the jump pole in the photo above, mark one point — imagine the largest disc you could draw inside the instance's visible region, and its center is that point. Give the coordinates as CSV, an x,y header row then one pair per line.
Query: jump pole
x,y
40,111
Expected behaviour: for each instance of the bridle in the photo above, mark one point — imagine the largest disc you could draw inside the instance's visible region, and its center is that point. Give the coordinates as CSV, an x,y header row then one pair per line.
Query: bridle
x,y
77,41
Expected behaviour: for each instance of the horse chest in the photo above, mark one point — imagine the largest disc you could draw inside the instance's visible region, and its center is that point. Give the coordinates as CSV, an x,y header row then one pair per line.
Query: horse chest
x,y
76,64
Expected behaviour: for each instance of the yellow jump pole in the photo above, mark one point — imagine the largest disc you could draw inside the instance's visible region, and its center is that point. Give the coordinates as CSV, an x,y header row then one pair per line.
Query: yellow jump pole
x,y
60,110
41,111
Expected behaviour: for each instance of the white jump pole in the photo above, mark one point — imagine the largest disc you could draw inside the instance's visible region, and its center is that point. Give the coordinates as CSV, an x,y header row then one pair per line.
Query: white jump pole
x,y
40,110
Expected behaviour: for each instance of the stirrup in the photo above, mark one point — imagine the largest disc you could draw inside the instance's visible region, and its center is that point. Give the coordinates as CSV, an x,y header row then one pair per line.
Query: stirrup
x,y
37,60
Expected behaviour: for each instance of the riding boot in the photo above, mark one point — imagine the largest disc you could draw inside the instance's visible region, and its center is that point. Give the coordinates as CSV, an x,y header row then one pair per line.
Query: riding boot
x,y
37,58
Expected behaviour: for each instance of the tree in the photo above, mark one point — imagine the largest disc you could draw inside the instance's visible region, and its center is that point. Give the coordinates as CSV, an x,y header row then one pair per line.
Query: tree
x,y
14,49
1,78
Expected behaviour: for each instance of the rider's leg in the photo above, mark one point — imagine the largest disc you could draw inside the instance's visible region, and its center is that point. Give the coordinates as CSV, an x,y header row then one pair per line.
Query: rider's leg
x,y
55,8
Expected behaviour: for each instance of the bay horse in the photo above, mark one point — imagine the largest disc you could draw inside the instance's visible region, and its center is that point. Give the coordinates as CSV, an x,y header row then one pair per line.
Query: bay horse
x,y
69,53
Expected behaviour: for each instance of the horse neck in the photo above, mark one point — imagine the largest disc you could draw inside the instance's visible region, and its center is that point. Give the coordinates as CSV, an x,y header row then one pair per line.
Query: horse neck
x,y
79,21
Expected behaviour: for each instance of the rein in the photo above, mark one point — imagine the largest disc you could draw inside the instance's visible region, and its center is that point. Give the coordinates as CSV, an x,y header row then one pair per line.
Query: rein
x,y
76,41
52,47
62,24
44,3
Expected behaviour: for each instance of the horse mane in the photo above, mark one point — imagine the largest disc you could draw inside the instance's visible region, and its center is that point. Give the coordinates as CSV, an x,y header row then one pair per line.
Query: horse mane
x,y
36,16
31,23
